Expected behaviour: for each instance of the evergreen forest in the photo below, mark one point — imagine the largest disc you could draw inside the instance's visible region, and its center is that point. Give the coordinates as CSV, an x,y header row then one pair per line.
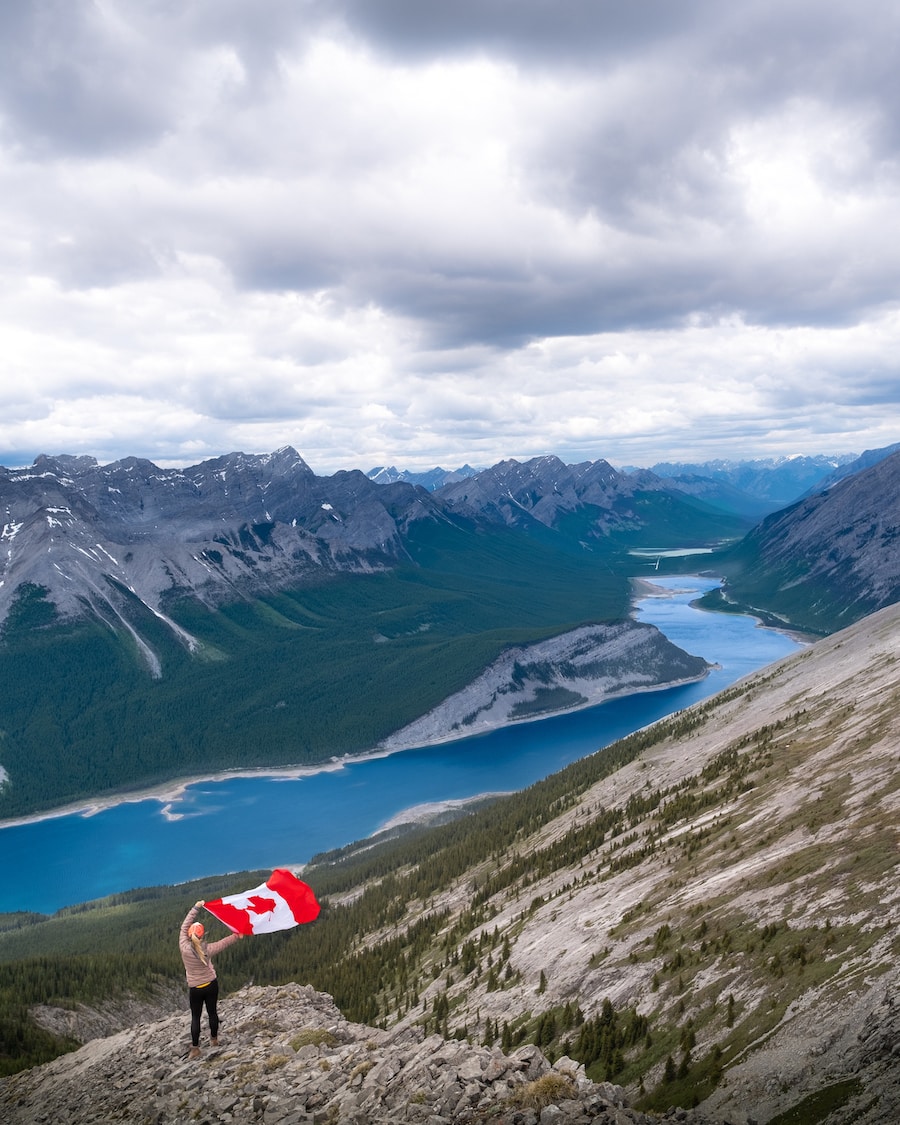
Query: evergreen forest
x,y
284,678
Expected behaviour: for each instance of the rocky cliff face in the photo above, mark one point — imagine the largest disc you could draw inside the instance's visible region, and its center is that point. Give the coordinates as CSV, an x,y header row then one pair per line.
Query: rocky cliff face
x,y
578,669
542,489
832,556
287,1057
92,535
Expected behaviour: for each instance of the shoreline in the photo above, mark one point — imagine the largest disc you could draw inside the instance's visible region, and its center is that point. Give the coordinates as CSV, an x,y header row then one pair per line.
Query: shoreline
x,y
169,792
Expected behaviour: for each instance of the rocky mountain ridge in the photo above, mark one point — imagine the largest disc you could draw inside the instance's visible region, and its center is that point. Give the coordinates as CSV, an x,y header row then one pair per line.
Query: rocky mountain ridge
x,y
241,524
831,556
865,460
743,896
541,489
288,1057
431,479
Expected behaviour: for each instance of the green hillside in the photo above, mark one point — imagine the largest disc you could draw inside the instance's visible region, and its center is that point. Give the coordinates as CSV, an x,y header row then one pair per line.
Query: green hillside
x,y
126,942
677,911
286,678
785,592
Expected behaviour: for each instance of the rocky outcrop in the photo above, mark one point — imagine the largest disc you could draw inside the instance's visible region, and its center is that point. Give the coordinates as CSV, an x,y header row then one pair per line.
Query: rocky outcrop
x,y
577,669
287,1057
830,559
95,536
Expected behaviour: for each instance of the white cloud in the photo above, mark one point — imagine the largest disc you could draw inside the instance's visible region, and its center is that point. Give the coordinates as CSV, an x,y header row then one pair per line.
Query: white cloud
x,y
388,234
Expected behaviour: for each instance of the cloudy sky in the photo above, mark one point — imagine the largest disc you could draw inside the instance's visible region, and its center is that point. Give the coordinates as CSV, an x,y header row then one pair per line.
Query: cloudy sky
x,y
420,233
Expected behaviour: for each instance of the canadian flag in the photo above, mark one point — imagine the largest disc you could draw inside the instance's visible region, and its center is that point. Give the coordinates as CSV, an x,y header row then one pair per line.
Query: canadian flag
x,y
280,902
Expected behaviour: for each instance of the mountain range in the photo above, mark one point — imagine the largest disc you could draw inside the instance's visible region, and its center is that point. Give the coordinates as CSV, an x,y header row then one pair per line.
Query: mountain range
x,y
753,488
244,524
763,484
775,481
180,610
430,478
240,524
704,914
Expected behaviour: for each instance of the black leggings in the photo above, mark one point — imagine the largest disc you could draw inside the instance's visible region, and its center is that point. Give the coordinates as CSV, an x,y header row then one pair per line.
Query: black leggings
x,y
208,995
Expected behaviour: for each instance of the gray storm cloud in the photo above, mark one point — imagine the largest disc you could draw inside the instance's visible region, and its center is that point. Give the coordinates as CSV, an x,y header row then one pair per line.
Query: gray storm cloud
x,y
362,227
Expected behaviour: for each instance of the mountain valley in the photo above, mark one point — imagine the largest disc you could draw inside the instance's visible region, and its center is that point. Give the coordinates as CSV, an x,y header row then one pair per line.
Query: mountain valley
x,y
137,598
718,890
702,915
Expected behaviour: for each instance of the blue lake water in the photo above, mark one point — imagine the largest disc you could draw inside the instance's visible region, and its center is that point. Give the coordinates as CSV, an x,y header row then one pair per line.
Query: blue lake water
x,y
244,823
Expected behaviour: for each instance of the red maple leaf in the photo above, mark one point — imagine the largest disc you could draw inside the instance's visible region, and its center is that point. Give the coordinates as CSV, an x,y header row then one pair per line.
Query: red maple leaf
x,y
259,905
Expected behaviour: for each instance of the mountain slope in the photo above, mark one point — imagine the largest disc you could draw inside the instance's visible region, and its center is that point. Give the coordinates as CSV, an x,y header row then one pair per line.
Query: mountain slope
x,y
866,460
737,879
719,890
831,558
591,504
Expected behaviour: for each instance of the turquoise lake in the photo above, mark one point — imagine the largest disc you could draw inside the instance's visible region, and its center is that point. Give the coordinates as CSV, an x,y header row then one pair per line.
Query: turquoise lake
x,y
268,821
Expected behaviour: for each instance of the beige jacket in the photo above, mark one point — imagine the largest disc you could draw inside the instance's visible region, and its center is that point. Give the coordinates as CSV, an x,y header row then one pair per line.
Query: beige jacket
x,y
194,969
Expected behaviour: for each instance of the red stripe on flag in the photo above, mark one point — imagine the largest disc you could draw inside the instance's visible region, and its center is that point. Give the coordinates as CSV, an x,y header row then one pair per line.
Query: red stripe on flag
x,y
296,894
234,919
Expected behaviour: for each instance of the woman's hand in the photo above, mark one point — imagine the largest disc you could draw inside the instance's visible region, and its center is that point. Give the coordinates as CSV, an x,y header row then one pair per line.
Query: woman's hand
x,y
198,904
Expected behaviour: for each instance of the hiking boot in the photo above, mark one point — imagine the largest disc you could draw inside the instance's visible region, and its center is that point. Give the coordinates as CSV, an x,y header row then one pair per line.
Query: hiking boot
x,y
214,1042
194,1053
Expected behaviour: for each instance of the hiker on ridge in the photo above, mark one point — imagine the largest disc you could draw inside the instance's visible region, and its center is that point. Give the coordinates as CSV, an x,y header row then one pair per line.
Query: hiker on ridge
x,y
203,984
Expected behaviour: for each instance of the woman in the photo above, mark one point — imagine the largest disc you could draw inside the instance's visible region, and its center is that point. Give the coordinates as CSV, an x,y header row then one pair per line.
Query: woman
x,y
201,976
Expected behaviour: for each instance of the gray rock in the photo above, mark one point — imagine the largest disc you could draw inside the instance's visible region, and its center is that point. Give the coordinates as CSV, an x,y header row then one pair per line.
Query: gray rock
x,y
372,1078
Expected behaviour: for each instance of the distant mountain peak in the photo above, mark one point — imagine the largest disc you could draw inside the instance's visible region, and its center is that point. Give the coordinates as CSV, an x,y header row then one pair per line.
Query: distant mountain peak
x,y
432,479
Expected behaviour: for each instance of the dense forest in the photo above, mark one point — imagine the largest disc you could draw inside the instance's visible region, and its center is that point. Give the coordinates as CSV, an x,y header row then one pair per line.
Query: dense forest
x,y
288,678
128,942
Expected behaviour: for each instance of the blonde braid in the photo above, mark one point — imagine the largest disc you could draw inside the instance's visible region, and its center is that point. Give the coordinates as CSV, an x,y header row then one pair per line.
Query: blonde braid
x,y
198,949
